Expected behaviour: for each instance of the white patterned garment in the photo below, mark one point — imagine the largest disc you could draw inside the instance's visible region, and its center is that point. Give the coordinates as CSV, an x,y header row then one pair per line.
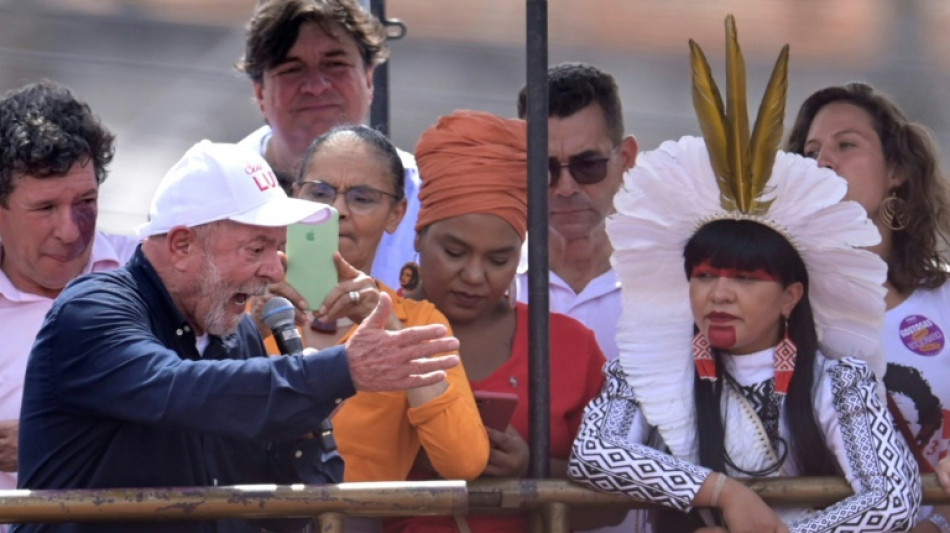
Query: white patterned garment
x,y
610,455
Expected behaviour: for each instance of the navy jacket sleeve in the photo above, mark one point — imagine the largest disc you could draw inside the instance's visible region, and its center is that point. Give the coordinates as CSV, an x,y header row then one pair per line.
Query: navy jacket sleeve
x,y
105,360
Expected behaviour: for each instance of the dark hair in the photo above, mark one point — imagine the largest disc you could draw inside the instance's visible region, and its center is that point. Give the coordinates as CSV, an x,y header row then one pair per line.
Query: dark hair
x,y
748,245
918,256
45,131
574,86
273,29
369,137
413,269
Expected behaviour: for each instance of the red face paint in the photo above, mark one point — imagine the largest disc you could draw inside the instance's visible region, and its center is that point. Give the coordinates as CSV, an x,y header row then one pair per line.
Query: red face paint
x,y
721,337
706,269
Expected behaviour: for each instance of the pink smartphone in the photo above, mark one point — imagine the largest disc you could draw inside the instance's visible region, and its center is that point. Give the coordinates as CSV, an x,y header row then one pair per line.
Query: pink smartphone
x,y
496,408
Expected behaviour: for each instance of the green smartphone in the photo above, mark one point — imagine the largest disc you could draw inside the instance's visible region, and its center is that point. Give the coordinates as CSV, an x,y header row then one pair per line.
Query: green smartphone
x,y
310,247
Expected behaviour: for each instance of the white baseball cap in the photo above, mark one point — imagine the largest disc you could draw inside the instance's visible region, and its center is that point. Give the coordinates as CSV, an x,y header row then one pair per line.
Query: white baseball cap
x,y
219,181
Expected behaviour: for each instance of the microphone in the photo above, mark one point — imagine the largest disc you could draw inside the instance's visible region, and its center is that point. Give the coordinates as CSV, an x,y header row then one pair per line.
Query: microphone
x,y
279,316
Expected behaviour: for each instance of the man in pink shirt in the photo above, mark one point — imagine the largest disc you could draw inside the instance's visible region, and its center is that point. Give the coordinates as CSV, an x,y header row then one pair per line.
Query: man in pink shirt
x,y
53,156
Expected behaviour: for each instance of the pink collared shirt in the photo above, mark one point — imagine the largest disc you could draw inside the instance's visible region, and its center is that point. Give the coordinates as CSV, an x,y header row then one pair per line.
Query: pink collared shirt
x,y
22,314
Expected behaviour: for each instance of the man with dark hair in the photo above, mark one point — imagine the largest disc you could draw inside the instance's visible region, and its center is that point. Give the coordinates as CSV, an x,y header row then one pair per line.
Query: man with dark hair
x,y
311,63
53,156
589,154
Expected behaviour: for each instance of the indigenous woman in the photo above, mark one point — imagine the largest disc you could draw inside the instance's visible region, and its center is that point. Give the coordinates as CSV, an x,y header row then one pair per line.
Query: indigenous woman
x,y
892,170
357,170
472,221
759,357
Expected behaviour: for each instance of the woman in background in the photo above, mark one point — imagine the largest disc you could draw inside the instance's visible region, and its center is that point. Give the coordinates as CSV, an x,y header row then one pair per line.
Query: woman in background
x,y
892,170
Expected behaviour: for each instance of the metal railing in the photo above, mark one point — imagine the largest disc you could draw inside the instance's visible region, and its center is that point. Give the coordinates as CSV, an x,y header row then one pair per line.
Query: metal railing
x,y
549,499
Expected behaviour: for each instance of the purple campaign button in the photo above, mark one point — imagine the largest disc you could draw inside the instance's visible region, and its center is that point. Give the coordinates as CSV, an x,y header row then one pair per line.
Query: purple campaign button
x,y
921,335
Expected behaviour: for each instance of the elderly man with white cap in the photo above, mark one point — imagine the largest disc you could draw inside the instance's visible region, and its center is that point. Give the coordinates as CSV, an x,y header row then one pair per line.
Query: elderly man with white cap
x,y
152,375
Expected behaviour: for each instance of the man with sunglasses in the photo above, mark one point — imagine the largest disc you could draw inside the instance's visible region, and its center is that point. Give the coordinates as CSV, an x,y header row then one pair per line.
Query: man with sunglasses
x,y
589,154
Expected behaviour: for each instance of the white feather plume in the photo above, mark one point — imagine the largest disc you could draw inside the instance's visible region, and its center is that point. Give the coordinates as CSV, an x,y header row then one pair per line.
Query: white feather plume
x,y
663,201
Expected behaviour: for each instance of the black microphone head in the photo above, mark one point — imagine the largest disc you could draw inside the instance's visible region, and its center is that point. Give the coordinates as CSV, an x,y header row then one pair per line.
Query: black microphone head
x,y
278,313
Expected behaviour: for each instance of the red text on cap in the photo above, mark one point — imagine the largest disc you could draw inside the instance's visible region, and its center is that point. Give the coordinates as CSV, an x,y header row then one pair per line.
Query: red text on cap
x,y
265,180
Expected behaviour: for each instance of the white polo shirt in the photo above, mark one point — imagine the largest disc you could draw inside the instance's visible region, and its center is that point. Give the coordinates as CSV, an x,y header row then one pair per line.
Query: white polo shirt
x,y
597,306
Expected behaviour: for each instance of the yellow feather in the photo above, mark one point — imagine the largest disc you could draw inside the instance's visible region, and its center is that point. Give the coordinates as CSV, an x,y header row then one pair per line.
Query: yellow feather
x,y
737,118
742,164
767,133
712,122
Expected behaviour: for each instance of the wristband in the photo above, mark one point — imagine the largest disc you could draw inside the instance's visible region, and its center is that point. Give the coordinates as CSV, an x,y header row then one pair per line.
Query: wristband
x,y
938,520
717,488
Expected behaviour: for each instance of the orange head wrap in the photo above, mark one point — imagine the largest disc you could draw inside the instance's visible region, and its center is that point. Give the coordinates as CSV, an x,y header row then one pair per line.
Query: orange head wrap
x,y
474,162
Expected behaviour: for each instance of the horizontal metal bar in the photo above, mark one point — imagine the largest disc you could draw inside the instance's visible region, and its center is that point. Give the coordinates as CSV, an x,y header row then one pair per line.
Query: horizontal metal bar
x,y
371,499
250,501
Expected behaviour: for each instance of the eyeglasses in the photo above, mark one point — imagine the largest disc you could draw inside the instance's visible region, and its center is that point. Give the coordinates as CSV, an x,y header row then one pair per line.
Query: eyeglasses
x,y
360,199
584,170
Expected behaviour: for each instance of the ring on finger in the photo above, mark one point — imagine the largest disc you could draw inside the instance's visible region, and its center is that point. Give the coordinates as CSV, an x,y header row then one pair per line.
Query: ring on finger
x,y
354,297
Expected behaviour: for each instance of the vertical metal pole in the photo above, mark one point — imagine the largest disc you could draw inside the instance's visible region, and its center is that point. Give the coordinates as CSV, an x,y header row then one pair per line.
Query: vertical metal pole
x,y
330,523
538,336
379,109
557,517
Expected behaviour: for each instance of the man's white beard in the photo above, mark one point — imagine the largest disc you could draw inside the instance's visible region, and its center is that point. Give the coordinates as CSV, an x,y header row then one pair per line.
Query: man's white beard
x,y
218,321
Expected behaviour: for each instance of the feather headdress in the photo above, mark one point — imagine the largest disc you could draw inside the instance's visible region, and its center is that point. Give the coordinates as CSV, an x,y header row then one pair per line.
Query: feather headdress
x,y
742,164
682,185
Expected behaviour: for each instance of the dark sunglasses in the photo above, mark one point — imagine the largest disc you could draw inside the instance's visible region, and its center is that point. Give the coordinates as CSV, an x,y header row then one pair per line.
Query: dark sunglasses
x,y
584,170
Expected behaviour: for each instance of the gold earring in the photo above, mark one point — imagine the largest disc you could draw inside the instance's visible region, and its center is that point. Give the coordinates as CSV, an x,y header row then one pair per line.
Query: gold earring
x,y
894,212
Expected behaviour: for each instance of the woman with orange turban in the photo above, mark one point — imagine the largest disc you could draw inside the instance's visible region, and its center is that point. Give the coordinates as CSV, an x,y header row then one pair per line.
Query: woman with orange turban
x,y
472,222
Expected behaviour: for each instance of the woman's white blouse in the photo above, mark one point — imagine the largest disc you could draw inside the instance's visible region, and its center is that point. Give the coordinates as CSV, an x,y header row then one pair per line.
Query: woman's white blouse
x,y
617,450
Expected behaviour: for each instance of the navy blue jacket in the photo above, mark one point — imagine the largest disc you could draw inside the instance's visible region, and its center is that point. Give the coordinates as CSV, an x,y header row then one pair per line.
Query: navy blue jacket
x,y
117,395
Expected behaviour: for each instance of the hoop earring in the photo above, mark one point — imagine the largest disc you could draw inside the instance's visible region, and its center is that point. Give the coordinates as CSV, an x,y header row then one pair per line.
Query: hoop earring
x,y
894,212
785,355
703,357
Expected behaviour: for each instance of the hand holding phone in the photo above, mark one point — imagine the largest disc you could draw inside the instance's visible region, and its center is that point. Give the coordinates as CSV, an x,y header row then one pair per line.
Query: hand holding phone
x,y
310,247
496,408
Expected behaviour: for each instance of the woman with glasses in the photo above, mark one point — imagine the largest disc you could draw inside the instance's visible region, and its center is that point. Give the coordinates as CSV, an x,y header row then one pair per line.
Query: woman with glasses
x,y
472,222
381,434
